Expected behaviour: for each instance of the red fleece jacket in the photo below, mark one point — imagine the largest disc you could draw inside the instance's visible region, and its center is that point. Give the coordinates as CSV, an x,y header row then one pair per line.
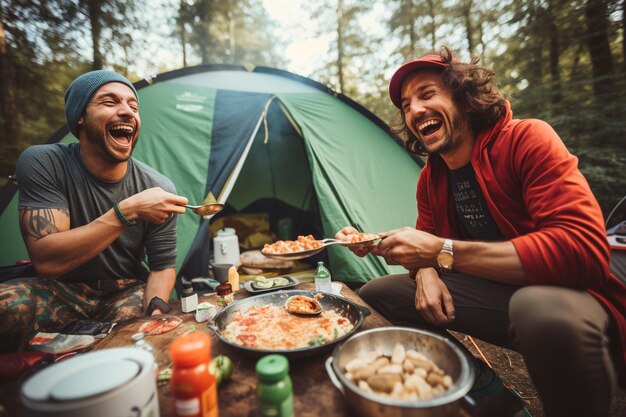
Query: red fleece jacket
x,y
542,203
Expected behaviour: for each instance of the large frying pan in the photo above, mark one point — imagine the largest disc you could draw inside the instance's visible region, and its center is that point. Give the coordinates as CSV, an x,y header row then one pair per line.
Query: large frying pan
x,y
346,308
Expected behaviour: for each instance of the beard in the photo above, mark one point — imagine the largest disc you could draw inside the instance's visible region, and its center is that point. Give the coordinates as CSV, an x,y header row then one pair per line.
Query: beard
x,y
453,138
100,139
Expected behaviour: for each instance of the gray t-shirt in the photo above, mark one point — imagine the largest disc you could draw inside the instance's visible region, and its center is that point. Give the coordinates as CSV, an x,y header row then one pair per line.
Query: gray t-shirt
x,y
53,176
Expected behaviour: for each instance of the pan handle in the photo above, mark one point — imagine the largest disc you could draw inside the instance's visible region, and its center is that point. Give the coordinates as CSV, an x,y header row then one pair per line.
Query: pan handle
x,y
364,310
331,374
211,325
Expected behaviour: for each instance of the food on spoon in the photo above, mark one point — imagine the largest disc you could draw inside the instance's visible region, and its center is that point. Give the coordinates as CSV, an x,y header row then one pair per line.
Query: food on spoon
x,y
301,304
281,247
273,327
358,237
403,375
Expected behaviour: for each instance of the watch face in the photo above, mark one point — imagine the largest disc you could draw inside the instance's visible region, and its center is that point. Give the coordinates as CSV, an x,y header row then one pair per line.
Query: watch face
x,y
444,259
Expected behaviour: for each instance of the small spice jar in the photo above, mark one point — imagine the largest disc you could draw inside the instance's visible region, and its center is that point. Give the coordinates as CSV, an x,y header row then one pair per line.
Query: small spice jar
x,y
225,295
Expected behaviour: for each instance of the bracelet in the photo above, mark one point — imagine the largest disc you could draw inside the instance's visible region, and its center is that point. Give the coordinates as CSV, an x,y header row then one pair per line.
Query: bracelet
x,y
121,216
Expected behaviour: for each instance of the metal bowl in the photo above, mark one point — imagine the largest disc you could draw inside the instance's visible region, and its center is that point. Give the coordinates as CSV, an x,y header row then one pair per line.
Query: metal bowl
x,y
444,353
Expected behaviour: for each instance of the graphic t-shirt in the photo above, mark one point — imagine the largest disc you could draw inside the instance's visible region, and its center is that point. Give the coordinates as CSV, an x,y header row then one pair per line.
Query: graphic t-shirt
x,y
471,207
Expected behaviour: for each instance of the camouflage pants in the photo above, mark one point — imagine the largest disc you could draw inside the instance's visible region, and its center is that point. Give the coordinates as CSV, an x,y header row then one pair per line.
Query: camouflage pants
x,y
31,305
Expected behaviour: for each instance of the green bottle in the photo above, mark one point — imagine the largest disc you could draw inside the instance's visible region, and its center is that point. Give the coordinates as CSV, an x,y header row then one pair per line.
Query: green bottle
x,y
274,391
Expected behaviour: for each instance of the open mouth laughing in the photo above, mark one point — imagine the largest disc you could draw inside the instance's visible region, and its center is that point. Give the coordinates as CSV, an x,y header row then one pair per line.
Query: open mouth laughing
x,y
122,133
429,127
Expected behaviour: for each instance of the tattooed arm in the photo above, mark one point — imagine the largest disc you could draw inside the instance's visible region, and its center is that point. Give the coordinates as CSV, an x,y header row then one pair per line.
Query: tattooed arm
x,y
54,248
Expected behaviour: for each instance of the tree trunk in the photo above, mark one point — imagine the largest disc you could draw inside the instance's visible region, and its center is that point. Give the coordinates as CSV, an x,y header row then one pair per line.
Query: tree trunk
x,y
598,45
8,109
183,38
408,8
555,75
231,34
624,36
340,45
93,8
466,10
433,36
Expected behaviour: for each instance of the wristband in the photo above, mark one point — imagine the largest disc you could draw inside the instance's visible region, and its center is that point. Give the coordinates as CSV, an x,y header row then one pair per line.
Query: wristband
x,y
121,216
157,302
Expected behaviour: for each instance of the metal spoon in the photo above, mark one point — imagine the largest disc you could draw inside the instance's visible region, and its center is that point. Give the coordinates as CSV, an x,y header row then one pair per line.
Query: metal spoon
x,y
206,209
301,304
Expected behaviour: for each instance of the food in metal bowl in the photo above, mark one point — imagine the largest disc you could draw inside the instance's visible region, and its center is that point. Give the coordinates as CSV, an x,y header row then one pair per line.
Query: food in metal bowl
x,y
435,348
403,375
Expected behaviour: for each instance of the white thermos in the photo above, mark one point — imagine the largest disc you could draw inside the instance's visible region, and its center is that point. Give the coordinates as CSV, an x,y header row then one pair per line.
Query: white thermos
x,y
226,247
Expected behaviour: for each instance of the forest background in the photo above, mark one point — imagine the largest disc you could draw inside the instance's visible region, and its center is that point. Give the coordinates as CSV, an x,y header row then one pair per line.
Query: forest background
x,y
557,60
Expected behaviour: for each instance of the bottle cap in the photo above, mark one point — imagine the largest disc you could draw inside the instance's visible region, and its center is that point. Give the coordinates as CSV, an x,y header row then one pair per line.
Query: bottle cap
x,y
224,289
272,368
187,287
191,349
137,337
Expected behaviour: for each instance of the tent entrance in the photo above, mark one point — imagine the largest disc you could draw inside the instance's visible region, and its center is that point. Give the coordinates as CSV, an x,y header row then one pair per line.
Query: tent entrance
x,y
275,182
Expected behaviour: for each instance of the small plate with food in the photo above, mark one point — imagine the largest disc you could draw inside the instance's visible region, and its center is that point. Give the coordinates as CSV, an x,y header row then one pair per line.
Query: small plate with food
x,y
302,247
262,284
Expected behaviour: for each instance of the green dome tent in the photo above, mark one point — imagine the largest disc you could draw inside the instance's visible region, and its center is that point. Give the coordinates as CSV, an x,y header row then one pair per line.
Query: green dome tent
x,y
226,134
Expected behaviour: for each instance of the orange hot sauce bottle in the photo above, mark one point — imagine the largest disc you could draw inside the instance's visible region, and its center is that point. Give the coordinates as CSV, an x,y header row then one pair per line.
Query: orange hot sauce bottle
x,y
193,385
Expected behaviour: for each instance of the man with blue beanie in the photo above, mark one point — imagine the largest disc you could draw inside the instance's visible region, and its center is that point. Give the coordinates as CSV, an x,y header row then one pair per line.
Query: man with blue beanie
x,y
90,215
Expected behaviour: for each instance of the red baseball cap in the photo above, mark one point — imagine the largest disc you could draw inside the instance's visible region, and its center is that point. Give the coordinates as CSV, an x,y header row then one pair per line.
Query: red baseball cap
x,y
395,85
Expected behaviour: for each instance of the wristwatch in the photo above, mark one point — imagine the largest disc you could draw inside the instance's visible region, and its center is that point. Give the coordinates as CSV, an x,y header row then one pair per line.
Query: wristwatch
x,y
446,256
157,302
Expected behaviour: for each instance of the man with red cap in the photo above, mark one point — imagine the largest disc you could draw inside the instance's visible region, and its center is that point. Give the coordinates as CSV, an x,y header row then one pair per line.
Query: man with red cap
x,y
509,244
90,215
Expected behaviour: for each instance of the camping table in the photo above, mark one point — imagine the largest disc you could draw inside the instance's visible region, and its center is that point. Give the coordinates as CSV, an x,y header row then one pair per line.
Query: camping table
x,y
314,394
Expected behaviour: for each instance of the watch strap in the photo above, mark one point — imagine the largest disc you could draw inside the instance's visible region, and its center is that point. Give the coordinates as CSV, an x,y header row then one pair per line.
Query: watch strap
x,y
447,248
157,302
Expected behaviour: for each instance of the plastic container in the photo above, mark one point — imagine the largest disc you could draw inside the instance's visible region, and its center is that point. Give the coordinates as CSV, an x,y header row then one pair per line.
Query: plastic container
x,y
189,298
322,279
140,342
193,386
226,247
274,389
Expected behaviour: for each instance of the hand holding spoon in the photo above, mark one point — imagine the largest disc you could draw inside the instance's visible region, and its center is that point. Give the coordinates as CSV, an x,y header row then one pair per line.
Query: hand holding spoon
x,y
206,209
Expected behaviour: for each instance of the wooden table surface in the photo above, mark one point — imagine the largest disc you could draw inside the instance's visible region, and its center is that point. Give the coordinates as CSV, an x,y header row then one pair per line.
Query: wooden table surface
x,y
314,394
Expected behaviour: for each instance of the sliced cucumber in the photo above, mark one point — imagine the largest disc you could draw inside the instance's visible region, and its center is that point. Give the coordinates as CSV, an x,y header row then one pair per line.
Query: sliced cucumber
x,y
280,281
264,284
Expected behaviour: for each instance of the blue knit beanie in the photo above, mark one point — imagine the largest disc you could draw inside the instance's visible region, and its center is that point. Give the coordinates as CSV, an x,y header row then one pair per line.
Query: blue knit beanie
x,y
82,88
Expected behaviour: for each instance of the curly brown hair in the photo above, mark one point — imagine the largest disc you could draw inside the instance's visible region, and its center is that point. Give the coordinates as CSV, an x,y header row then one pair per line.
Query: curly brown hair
x,y
472,89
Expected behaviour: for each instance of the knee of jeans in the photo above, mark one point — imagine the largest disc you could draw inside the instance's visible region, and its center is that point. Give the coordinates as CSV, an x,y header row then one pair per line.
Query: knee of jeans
x,y
369,293
537,316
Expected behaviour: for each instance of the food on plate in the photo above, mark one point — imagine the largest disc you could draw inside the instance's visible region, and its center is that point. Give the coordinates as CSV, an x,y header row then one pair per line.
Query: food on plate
x,y
264,283
301,304
272,327
281,247
358,237
160,326
405,375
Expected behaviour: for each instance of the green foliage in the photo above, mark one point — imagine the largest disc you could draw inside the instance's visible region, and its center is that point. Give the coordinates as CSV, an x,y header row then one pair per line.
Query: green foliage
x,y
540,50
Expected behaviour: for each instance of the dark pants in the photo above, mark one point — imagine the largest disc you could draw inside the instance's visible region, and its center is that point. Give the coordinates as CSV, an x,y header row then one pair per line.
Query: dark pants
x,y
564,334
31,305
